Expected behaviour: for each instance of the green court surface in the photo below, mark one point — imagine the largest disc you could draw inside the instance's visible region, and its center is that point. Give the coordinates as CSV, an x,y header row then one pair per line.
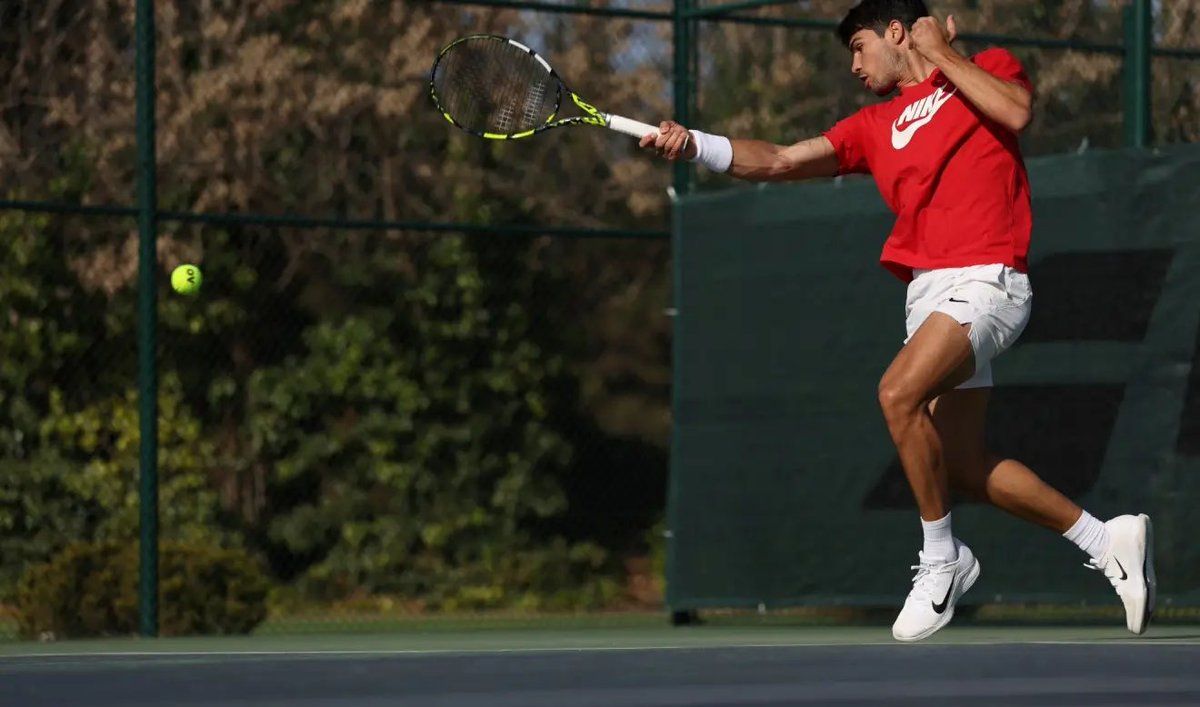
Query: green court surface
x,y
500,640
638,661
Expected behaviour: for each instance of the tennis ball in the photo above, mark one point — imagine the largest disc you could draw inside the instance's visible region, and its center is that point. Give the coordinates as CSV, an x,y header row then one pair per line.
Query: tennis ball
x,y
186,279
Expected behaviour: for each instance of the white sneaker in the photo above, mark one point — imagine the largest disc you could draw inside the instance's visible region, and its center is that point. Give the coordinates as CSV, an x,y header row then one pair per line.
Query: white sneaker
x,y
1128,562
936,589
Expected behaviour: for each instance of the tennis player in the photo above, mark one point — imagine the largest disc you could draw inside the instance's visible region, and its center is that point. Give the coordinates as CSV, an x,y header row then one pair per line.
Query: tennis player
x,y
943,150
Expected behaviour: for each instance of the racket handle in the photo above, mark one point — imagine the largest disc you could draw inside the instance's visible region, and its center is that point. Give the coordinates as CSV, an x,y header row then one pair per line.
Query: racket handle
x,y
630,127
636,128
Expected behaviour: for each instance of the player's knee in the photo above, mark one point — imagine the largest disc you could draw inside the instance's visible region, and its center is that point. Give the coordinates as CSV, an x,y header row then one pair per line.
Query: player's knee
x,y
897,400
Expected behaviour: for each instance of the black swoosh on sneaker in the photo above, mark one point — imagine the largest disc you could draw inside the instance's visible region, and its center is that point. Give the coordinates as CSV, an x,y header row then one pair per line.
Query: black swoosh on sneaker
x,y
939,608
1124,576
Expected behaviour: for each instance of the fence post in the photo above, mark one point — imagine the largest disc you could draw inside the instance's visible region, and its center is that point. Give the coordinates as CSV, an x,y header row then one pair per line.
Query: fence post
x,y
683,39
147,197
684,173
1139,40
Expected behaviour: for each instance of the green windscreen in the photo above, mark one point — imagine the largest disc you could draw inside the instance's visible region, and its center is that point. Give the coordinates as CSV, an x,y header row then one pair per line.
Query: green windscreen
x,y
785,487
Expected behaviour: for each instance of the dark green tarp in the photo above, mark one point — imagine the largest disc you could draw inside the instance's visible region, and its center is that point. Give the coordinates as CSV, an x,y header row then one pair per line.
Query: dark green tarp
x,y
785,488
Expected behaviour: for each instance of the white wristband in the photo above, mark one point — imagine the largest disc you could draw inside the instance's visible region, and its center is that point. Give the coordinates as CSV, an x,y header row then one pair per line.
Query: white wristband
x,y
712,151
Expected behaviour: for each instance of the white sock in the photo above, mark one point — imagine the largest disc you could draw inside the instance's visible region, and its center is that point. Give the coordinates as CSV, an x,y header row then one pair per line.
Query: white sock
x,y
1089,534
939,543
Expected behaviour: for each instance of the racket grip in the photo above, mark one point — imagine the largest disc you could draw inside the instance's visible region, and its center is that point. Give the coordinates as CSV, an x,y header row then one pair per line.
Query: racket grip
x,y
630,127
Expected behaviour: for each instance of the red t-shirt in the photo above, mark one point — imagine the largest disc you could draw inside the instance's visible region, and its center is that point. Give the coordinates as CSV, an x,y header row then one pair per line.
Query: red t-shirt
x,y
953,177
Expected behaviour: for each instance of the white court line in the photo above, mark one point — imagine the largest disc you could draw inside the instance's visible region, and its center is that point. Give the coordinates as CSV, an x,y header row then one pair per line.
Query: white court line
x,y
167,653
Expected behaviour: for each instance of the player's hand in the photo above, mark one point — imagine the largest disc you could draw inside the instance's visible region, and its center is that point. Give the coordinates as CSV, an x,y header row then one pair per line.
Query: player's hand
x,y
672,142
930,39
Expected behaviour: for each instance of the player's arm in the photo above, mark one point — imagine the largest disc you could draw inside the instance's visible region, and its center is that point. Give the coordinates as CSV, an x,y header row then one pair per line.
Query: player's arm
x,y
759,161
1005,102
752,160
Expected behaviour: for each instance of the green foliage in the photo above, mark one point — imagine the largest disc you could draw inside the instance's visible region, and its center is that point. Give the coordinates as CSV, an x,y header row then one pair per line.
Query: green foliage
x,y
205,589
50,329
100,444
402,430
65,597
39,514
555,577
90,589
412,447
375,413
656,542
83,481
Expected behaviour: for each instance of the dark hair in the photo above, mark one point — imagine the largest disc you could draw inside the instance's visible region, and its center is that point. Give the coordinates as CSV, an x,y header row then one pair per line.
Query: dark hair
x,y
876,15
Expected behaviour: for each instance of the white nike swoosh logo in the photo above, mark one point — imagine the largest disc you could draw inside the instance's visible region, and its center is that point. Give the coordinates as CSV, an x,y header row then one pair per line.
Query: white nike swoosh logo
x,y
901,138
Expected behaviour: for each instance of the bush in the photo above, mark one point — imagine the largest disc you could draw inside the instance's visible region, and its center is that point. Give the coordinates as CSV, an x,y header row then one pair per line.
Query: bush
x,y
91,589
556,576
81,479
39,514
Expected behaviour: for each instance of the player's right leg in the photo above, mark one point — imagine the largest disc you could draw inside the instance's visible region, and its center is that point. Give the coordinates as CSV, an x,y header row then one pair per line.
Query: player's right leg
x,y
1122,548
959,417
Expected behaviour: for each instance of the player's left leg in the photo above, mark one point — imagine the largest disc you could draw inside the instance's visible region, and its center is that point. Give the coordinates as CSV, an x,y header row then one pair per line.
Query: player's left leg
x,y
937,357
957,319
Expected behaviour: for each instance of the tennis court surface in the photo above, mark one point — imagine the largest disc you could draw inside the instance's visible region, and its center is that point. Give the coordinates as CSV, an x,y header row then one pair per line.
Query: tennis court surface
x,y
695,666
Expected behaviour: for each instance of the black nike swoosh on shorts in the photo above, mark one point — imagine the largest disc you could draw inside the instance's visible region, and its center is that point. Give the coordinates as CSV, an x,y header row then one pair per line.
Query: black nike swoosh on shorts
x,y
959,301
1124,575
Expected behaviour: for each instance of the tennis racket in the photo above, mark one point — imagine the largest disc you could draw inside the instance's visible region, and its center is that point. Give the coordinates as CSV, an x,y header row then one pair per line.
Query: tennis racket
x,y
499,89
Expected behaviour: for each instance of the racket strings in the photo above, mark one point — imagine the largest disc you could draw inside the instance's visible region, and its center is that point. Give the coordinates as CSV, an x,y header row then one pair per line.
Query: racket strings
x,y
534,100
491,86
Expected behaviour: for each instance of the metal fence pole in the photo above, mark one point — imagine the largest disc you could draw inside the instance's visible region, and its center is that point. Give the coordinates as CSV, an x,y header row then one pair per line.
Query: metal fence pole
x,y
683,40
147,198
1139,42
682,183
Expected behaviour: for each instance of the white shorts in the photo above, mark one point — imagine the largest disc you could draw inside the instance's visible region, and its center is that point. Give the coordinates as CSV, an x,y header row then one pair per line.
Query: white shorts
x,y
994,299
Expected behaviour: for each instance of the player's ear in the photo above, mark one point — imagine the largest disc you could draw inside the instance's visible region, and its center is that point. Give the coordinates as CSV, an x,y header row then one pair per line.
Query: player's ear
x,y
896,33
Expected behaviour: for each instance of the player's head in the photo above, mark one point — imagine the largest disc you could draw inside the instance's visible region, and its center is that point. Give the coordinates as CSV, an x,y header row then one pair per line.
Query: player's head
x,y
876,32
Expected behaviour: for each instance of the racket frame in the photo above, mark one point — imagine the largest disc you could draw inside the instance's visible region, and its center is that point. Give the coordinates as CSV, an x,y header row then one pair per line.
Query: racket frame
x,y
593,115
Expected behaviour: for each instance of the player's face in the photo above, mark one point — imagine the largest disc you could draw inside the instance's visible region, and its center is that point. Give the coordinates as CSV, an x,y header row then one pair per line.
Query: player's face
x,y
876,61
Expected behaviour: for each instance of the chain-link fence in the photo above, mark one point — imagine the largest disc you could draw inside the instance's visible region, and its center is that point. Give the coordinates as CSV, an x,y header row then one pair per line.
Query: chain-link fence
x,y
779,71
423,372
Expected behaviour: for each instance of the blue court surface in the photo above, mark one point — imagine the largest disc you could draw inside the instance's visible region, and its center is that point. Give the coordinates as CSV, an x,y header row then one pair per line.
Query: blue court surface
x,y
697,666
